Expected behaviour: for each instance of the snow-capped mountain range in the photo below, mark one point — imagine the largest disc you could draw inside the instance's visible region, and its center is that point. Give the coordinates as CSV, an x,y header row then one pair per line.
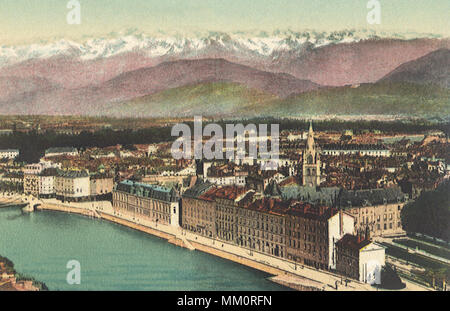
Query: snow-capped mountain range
x,y
258,44
95,75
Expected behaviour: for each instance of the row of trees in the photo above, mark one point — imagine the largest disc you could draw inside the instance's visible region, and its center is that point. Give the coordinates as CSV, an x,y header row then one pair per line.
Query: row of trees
x,y
407,126
32,145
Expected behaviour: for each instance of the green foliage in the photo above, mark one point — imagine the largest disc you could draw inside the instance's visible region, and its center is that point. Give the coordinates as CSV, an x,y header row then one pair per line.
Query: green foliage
x,y
233,99
371,99
32,145
430,213
206,99
41,285
9,265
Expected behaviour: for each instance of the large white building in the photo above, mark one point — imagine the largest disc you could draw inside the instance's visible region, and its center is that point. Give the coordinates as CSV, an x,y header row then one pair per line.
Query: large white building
x,y
47,182
227,180
371,260
148,202
9,153
356,149
36,182
58,151
37,168
360,258
72,185
338,225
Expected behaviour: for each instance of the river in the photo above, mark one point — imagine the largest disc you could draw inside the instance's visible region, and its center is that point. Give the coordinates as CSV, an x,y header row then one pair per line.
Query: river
x,y
113,257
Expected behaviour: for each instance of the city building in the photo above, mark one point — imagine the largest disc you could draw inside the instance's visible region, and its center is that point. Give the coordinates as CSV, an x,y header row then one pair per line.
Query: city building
x,y
360,259
379,210
225,174
312,232
9,153
47,183
227,199
149,202
6,132
261,225
372,150
101,186
31,184
260,179
59,151
71,185
198,210
297,231
38,178
37,168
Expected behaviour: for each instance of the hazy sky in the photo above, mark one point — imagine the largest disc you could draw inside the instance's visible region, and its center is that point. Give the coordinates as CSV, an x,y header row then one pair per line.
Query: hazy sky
x,y
31,20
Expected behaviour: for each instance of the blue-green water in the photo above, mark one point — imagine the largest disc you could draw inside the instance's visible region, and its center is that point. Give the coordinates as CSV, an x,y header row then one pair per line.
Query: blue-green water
x,y
113,257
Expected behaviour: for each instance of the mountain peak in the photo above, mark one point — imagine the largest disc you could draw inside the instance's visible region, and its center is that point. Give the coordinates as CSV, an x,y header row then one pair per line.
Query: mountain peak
x,y
433,68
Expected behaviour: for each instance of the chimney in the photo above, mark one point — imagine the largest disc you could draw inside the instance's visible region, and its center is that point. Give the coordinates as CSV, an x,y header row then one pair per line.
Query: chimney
x,y
341,223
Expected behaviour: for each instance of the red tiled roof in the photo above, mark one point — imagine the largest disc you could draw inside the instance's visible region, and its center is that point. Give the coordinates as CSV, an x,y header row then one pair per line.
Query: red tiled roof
x,y
353,242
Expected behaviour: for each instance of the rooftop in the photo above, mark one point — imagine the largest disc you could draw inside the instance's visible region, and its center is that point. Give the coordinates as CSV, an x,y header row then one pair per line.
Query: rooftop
x,y
60,150
197,190
72,174
353,242
354,147
148,190
9,150
370,197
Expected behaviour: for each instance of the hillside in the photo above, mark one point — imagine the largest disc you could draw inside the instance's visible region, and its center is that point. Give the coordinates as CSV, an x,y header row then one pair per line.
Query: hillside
x,y
370,99
206,99
186,72
433,68
226,99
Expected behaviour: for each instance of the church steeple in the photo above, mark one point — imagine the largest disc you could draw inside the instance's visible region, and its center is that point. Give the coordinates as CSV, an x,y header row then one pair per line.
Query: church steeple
x,y
310,141
311,161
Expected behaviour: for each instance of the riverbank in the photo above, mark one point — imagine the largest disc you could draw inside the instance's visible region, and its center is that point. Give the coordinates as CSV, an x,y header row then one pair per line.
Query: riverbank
x,y
262,262
11,280
7,200
283,272
279,276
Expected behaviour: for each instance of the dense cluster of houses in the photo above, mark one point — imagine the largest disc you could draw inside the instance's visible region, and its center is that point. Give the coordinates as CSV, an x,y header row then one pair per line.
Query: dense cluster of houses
x,y
46,179
327,197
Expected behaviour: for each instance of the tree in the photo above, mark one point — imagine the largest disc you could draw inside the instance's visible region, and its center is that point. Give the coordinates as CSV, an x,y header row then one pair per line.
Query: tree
x,y
430,213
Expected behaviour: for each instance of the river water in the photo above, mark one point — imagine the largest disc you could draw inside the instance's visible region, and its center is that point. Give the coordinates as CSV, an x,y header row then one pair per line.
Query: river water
x,y
113,257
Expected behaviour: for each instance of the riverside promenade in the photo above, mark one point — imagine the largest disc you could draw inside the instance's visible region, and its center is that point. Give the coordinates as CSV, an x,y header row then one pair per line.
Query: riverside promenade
x,y
283,272
7,199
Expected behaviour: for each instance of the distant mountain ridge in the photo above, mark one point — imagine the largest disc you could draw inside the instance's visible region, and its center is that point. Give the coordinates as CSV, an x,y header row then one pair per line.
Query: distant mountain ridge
x,y
186,72
185,45
433,68
150,80
282,70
